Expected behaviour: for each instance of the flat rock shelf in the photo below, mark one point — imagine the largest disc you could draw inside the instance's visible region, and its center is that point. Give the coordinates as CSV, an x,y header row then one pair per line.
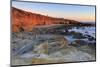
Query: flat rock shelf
x,y
55,44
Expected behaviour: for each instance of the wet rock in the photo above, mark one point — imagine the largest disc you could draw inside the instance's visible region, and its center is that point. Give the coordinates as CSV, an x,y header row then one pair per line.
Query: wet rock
x,y
58,44
25,48
41,61
77,35
52,45
92,45
88,43
79,43
90,37
42,48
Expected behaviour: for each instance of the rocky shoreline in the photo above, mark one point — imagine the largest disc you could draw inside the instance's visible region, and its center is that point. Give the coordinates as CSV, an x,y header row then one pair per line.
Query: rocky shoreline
x,y
52,45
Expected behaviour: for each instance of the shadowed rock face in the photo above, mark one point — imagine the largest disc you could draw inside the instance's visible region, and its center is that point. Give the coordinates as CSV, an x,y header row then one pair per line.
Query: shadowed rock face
x,y
22,20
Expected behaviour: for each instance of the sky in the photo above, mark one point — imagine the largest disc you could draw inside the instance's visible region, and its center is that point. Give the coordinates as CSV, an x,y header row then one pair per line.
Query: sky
x,y
74,12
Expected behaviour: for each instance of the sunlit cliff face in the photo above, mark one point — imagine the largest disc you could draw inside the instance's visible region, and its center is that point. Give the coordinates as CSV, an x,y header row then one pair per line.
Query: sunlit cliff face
x,y
22,20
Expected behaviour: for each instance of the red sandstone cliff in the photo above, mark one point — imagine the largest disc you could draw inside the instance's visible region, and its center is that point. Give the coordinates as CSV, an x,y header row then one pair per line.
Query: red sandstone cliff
x,y
27,20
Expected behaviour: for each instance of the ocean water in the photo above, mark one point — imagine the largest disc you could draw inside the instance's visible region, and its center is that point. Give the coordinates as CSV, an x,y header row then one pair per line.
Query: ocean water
x,y
84,30
90,31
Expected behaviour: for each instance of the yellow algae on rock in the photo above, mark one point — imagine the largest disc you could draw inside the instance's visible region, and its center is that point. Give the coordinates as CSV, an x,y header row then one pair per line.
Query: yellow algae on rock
x,y
40,61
